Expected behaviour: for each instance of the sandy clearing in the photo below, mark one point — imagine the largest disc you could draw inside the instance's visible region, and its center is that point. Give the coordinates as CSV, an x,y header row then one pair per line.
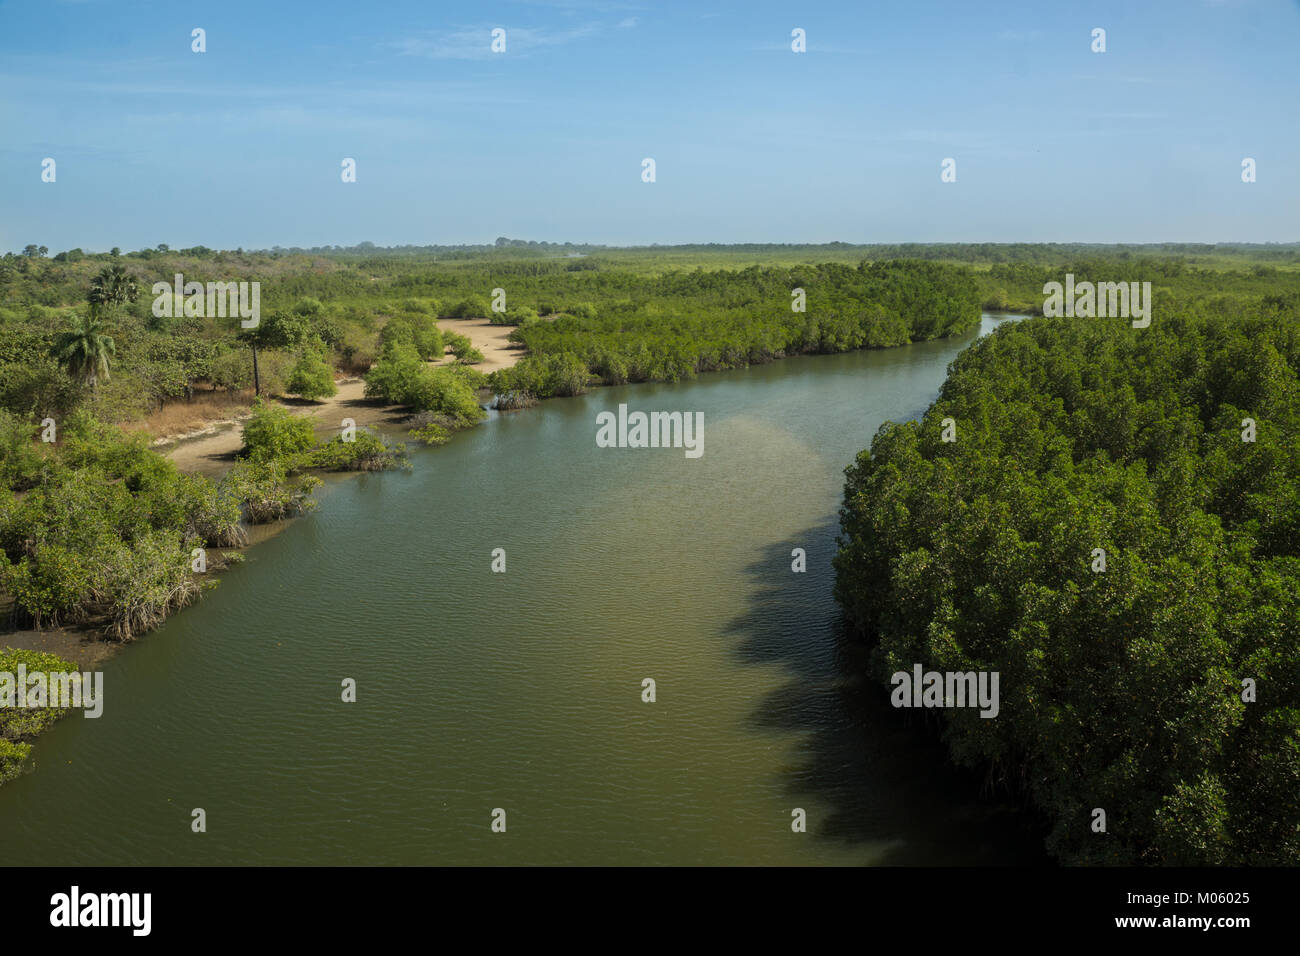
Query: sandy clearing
x,y
212,449
487,338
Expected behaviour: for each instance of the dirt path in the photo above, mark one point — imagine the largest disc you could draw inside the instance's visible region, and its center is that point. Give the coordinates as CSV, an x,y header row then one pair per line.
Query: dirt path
x,y
212,450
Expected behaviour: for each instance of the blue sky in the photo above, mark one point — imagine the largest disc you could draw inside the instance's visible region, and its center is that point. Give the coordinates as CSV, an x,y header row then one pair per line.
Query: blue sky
x,y
242,145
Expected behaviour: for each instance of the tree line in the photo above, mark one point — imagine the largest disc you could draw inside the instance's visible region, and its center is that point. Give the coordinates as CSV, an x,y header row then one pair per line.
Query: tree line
x,y
1115,530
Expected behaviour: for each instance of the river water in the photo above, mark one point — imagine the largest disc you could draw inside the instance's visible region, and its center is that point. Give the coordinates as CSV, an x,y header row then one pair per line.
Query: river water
x,y
523,690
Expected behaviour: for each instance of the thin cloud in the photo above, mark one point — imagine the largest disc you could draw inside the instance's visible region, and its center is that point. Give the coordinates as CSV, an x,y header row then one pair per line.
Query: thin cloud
x,y
475,43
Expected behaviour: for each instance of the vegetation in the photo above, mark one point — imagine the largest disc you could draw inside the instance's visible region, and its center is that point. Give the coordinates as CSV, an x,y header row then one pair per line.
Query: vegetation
x,y
1121,688
311,377
84,349
275,432
448,392
102,529
20,725
674,326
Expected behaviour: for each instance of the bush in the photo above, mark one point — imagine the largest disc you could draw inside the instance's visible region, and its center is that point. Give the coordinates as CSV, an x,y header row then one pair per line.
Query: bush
x,y
393,377
442,391
274,367
421,332
401,378
473,307
22,457
266,492
18,725
516,315
431,434
275,432
366,452
107,534
232,370
357,349
462,347
312,378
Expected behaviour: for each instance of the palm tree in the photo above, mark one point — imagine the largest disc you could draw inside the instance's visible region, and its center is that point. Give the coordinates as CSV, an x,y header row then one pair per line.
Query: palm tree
x,y
84,349
113,286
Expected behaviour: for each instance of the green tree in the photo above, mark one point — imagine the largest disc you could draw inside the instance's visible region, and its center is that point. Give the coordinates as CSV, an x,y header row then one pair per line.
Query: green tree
x,y
273,432
112,286
84,349
312,378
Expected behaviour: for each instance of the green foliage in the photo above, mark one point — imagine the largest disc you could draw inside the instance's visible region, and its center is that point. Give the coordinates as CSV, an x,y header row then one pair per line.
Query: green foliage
x,y
231,370
516,315
312,378
113,286
673,326
470,307
663,313
462,347
459,344
266,491
18,725
23,459
105,533
1120,689
431,434
84,349
307,307
401,378
365,452
275,432
421,332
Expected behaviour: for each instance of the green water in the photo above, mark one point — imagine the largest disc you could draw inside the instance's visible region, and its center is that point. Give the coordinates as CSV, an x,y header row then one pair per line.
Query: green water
x,y
522,690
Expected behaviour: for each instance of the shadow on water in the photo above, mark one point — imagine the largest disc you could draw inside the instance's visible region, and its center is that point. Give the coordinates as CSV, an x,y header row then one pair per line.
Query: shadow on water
x,y
883,774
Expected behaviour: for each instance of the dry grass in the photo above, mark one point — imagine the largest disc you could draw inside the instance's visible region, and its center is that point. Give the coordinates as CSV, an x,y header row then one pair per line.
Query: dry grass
x,y
183,417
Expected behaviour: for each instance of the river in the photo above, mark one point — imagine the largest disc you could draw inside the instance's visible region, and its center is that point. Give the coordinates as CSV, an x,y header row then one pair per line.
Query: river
x,y
522,690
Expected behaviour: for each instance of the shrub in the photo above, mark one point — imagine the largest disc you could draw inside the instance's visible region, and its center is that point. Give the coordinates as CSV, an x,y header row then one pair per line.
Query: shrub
x,y
22,458
516,315
232,370
365,452
18,725
312,378
266,492
421,332
473,307
431,434
357,349
275,432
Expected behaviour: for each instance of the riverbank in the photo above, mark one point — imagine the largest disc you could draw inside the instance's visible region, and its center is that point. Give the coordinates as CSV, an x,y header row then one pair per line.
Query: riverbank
x,y
211,449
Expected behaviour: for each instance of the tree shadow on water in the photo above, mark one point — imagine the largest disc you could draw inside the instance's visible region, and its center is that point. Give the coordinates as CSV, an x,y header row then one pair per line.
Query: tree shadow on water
x,y
879,777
